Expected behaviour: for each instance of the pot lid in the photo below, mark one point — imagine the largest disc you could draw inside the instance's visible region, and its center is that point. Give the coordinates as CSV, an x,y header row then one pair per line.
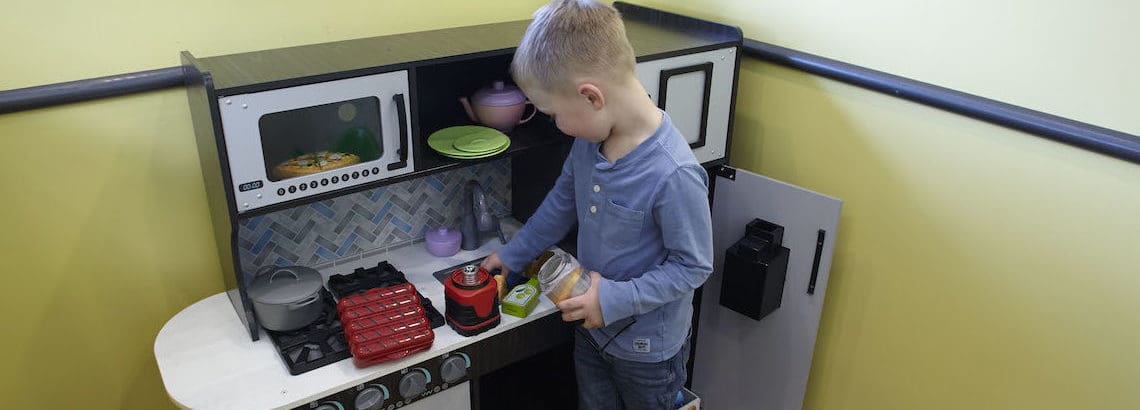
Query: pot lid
x,y
499,93
442,234
284,285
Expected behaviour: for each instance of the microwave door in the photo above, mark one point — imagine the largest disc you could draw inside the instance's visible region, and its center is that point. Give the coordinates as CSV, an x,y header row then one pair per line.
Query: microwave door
x,y
295,142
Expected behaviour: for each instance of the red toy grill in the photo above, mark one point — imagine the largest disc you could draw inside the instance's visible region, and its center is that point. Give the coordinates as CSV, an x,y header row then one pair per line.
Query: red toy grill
x,y
384,324
395,347
359,310
375,295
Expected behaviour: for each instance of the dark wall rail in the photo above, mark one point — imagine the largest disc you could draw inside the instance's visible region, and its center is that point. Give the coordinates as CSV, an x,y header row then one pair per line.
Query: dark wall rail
x,y
75,91
1098,139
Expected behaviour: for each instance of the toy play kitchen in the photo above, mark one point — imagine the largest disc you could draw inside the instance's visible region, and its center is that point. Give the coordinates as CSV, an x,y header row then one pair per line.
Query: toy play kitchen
x,y
344,139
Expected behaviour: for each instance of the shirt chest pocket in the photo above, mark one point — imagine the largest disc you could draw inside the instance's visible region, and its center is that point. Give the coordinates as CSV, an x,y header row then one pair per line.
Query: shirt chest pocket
x,y
621,226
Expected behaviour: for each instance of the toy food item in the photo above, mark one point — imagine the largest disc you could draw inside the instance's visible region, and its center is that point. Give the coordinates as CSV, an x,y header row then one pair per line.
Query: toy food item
x,y
501,282
522,299
313,163
565,287
560,277
532,269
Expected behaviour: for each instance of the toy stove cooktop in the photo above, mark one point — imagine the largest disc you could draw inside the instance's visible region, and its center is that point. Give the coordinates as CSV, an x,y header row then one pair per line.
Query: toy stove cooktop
x,y
322,342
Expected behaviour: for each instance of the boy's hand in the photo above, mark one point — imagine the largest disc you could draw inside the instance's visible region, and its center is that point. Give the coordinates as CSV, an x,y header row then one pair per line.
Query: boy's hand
x,y
493,262
584,306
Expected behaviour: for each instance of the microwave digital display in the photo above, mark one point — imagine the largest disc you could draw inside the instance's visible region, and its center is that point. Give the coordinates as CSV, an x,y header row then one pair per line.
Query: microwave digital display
x,y
321,138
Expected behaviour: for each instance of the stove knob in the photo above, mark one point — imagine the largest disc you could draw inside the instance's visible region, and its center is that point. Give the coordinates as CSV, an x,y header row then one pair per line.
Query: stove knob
x,y
453,368
414,383
371,397
329,405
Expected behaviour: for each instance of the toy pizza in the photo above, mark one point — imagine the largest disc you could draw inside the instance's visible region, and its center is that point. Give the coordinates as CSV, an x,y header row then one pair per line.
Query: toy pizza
x,y
312,163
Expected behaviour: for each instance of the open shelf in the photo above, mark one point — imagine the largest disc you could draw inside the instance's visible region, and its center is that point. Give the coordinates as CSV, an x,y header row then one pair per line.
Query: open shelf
x,y
438,88
537,133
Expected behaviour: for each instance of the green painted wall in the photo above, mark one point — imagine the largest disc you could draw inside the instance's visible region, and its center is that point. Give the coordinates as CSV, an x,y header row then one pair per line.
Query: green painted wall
x,y
977,267
107,231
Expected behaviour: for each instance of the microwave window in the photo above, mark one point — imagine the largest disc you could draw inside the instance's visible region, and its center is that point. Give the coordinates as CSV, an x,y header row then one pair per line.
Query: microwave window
x,y
321,138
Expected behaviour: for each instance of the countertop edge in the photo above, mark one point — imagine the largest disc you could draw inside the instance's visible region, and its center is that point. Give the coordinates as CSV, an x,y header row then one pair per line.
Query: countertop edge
x,y
214,331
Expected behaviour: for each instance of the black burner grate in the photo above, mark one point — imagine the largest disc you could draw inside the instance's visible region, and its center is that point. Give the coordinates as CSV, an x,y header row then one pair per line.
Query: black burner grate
x,y
315,345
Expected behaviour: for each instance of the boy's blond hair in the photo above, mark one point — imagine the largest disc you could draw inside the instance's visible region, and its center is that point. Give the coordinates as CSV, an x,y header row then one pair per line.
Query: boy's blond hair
x,y
569,39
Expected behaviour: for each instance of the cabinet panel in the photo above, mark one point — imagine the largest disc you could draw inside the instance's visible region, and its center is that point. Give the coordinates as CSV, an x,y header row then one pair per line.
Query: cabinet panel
x,y
764,364
696,91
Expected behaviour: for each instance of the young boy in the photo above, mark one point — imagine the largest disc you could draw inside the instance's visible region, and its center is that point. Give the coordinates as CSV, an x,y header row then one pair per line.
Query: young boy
x,y
640,199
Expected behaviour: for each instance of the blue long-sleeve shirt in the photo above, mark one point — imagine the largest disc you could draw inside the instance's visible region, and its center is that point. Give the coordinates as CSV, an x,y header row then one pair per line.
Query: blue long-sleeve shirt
x,y
644,224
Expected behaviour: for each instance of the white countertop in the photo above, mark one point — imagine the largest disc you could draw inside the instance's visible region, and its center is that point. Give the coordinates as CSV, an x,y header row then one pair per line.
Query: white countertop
x,y
207,360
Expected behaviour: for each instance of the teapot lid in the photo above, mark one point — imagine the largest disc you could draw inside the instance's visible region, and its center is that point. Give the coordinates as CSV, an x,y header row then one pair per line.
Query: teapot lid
x,y
498,94
442,234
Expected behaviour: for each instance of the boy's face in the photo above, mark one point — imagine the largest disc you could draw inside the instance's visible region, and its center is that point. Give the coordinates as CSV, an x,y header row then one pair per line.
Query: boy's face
x,y
579,115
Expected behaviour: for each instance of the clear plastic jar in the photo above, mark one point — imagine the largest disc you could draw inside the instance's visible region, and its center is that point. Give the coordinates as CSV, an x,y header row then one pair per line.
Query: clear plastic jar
x,y
561,277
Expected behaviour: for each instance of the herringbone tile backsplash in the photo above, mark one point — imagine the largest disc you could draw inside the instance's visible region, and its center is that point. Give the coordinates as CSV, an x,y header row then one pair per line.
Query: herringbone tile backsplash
x,y
342,229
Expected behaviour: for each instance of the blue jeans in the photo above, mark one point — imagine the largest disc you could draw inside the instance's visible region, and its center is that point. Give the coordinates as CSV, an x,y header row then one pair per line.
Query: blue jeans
x,y
607,382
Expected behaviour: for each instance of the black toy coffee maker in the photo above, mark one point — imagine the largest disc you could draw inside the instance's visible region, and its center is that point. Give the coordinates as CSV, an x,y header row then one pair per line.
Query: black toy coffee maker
x,y
755,268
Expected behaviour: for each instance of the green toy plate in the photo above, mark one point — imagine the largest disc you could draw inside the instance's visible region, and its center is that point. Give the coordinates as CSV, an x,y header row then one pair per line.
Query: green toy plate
x,y
479,143
477,156
482,141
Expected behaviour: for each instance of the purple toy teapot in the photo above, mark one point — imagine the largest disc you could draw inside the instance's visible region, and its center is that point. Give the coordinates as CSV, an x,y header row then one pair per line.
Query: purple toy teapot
x,y
499,106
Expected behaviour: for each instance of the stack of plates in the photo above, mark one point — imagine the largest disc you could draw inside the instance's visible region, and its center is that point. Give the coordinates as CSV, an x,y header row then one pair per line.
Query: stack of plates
x,y
468,142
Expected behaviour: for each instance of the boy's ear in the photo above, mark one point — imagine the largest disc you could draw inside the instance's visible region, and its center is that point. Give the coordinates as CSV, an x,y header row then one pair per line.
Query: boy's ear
x,y
593,95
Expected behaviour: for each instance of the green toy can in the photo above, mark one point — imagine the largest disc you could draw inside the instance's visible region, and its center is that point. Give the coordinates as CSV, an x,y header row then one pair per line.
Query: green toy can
x,y
521,300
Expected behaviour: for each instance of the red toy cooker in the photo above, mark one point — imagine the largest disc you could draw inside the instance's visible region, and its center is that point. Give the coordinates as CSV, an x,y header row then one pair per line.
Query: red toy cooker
x,y
472,298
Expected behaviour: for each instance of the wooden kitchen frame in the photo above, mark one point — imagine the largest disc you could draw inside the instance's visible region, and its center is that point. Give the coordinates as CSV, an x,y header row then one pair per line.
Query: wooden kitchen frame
x,y
443,65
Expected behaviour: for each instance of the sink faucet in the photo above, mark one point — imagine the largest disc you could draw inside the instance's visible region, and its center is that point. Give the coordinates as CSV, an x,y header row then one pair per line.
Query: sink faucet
x,y
477,217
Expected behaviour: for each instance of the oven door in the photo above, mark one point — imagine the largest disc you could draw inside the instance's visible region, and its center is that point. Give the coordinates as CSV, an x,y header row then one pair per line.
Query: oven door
x,y
296,142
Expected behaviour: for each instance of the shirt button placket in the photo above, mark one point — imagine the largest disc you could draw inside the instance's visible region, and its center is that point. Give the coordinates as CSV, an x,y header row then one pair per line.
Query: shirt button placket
x,y
597,189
